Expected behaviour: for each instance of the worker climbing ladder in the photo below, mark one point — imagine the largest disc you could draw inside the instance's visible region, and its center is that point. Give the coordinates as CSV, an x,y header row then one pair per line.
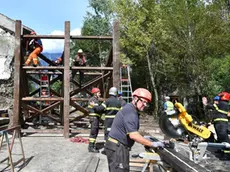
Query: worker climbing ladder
x,y
126,87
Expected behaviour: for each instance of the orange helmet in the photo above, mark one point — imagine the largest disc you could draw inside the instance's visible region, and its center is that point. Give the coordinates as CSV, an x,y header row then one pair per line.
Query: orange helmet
x,y
33,33
95,90
225,96
143,93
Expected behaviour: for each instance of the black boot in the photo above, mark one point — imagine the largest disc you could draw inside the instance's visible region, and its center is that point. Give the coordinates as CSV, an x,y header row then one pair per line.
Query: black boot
x,y
92,148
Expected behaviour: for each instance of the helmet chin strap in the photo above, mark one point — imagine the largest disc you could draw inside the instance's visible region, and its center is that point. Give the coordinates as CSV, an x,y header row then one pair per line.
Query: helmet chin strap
x,y
136,101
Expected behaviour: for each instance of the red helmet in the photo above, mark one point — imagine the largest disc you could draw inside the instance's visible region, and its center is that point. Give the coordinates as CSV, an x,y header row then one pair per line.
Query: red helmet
x,y
33,33
143,93
224,96
95,90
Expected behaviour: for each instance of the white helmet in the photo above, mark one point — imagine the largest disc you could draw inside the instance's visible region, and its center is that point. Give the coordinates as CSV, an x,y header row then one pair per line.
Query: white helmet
x,y
80,51
113,91
167,98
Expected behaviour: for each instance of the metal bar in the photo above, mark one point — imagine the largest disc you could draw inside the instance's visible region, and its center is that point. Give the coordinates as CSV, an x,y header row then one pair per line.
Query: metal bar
x,y
71,37
116,55
17,72
91,68
66,79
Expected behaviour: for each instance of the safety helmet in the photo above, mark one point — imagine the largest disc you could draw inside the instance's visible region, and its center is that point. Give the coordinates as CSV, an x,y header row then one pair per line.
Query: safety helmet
x,y
80,51
143,93
113,91
216,98
225,96
95,90
167,98
33,33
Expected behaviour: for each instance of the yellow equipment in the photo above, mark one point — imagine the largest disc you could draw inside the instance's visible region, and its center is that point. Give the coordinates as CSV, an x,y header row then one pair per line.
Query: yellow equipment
x,y
177,123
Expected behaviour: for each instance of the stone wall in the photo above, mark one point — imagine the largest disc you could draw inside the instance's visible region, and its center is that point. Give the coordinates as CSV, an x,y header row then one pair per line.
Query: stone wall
x,y
6,69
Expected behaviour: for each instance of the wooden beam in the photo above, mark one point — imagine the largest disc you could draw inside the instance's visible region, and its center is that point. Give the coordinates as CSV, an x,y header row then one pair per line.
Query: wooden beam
x,y
85,99
43,68
78,107
34,92
66,79
116,55
89,84
44,72
50,107
35,80
17,73
71,37
47,60
91,68
42,99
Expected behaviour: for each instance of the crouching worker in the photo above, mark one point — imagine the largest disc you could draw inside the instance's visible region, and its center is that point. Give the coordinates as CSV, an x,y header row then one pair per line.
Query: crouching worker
x,y
35,47
94,119
124,132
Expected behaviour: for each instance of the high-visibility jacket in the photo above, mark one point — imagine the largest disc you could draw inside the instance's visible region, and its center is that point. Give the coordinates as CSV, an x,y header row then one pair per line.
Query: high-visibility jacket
x,y
110,107
90,108
168,105
221,113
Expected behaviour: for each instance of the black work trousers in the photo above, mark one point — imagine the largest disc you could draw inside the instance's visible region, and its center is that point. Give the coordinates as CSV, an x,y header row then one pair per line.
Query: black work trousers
x,y
94,121
221,128
108,124
117,156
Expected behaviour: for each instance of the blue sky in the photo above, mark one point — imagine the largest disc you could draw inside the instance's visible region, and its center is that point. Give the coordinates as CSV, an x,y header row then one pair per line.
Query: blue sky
x,y
47,17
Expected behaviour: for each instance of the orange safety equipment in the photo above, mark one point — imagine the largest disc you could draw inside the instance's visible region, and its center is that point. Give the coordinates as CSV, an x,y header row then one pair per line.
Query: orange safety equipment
x,y
95,90
143,93
225,96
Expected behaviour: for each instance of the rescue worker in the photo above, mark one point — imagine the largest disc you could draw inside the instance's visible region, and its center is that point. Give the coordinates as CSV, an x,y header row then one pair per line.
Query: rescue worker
x,y
34,45
94,119
79,61
120,98
168,105
124,132
220,116
110,107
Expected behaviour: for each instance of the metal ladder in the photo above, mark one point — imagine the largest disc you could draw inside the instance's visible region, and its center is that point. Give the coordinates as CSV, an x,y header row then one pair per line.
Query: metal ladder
x,y
126,87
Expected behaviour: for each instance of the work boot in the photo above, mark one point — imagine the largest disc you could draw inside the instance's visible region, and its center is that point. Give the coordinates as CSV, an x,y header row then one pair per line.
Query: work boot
x,y
92,148
34,65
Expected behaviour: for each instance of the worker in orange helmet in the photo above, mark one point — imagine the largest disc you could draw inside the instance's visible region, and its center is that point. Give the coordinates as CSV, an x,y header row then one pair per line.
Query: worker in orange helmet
x,y
94,119
35,47
124,132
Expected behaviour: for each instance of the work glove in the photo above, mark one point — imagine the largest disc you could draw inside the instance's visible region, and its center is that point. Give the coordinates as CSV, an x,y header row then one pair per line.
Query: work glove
x,y
158,144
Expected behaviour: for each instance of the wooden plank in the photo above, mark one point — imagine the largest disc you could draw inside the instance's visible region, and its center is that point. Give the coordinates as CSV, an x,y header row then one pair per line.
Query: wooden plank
x,y
71,37
89,84
78,107
116,55
44,72
91,68
92,164
17,72
85,99
66,79
43,68
52,106
42,99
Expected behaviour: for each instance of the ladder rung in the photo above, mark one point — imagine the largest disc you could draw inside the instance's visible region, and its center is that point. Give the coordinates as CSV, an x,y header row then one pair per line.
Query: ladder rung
x,y
124,79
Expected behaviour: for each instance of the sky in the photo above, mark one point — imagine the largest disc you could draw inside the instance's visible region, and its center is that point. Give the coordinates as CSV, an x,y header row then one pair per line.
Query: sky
x,y
47,17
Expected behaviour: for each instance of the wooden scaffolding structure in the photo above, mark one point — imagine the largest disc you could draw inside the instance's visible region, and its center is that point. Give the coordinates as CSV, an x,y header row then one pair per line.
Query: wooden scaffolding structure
x,y
22,75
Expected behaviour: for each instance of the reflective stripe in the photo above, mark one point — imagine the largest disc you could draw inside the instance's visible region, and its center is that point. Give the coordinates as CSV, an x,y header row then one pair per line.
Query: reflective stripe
x,y
113,108
112,140
92,140
103,105
110,116
220,119
108,129
94,114
221,111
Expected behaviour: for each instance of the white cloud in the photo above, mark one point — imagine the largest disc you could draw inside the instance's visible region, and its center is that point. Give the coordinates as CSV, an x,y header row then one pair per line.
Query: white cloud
x,y
57,45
